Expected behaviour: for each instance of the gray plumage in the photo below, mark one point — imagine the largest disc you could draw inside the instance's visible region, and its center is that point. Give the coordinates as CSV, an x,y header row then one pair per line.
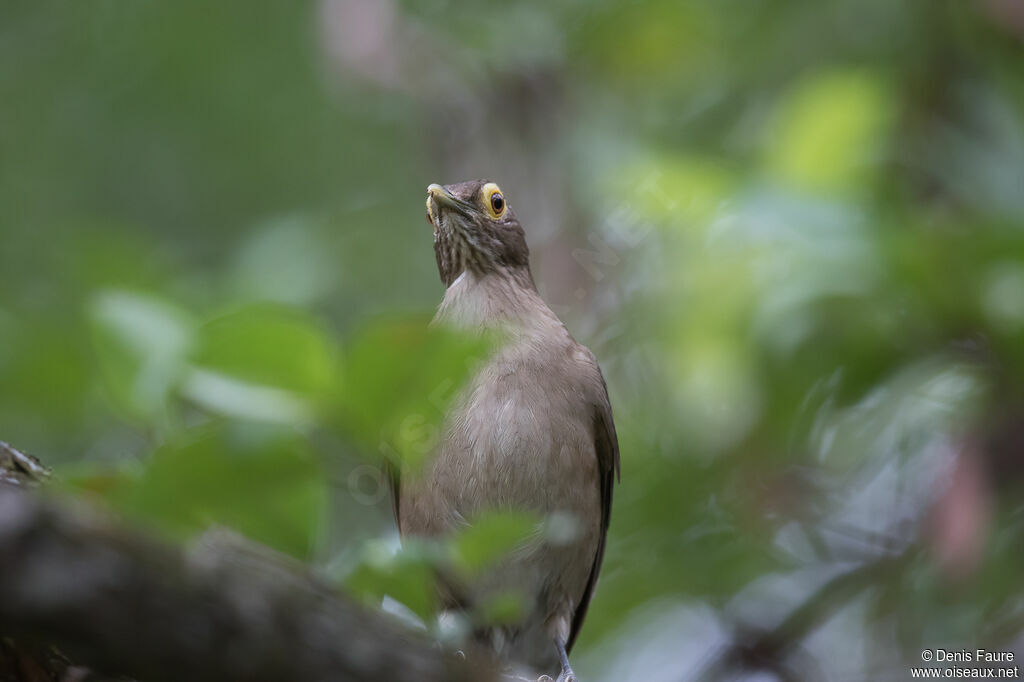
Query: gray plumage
x,y
531,431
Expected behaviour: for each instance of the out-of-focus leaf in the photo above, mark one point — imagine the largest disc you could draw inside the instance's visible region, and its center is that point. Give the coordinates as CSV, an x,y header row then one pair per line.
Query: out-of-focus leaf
x,y
492,536
409,574
830,129
507,607
275,346
406,575
680,191
104,481
262,482
141,343
400,377
236,398
718,397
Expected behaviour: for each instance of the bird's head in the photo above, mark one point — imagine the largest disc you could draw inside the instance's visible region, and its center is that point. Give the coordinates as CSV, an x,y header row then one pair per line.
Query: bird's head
x,y
476,230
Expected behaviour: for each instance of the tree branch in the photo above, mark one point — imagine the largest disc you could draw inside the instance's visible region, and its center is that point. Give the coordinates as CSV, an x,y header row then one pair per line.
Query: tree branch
x,y
767,650
123,603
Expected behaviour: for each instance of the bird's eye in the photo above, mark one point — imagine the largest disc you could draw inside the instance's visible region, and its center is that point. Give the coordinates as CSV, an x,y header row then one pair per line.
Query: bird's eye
x,y
494,200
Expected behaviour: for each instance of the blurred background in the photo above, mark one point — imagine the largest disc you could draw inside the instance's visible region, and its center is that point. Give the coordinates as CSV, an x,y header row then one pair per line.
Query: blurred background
x,y
792,233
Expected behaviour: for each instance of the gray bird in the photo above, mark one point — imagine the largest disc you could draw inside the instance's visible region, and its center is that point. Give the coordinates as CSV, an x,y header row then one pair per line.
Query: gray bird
x,y
532,431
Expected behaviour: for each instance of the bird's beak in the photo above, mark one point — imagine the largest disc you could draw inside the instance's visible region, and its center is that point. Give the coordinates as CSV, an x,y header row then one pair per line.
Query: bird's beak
x,y
441,195
441,200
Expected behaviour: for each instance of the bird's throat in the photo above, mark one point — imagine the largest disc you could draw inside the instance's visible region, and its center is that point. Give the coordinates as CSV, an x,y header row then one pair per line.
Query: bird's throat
x,y
484,301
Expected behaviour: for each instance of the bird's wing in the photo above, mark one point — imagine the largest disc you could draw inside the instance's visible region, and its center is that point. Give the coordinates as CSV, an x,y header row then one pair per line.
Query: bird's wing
x,y
606,446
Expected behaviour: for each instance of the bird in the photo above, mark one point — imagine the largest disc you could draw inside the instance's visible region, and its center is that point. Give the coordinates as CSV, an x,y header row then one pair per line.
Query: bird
x,y
531,431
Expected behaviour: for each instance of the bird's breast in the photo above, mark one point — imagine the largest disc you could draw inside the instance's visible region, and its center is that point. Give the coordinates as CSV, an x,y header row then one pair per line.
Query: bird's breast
x,y
518,439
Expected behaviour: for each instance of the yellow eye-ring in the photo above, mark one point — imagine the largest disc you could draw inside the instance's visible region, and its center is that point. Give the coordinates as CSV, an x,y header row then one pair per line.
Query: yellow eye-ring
x,y
494,200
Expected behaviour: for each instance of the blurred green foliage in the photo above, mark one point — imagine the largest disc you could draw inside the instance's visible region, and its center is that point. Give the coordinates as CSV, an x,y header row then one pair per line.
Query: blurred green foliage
x,y
793,234
401,376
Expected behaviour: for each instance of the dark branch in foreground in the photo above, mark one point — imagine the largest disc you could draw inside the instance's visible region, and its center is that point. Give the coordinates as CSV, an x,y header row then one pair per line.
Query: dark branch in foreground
x,y
124,604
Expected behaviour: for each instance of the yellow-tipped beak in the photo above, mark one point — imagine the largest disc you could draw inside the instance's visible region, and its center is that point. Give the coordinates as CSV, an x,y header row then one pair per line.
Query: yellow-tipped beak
x,y
441,196
439,199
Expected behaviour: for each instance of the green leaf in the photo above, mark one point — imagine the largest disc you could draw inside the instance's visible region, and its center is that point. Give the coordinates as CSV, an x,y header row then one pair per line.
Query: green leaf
x,y
104,481
400,378
492,536
407,576
829,130
683,191
267,345
263,483
231,397
504,608
141,343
